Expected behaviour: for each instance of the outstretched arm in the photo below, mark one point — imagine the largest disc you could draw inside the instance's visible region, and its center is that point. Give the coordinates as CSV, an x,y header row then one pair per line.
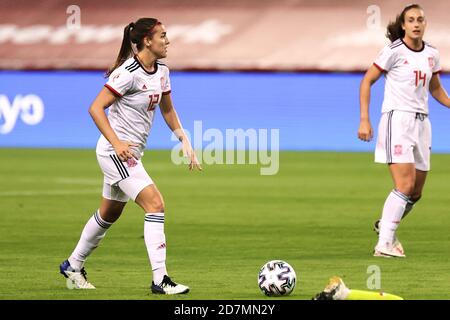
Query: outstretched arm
x,y
365,131
97,111
438,91
171,117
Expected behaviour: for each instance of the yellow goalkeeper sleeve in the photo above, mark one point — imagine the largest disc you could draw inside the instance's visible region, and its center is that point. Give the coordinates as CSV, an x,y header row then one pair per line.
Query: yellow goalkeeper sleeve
x,y
370,295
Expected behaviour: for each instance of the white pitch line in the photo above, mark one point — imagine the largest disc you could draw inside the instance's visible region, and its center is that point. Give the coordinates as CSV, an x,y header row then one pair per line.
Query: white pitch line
x,y
32,193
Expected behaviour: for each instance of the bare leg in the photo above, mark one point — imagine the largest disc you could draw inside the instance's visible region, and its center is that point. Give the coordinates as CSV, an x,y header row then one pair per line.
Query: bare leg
x,y
150,199
404,177
110,210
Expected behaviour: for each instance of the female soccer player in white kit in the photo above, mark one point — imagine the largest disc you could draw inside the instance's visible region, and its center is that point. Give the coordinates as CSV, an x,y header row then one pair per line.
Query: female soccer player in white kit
x,y
411,67
136,85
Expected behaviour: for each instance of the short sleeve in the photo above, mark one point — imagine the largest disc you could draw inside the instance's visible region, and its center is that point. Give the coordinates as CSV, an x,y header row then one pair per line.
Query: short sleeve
x,y
119,82
165,83
385,60
437,64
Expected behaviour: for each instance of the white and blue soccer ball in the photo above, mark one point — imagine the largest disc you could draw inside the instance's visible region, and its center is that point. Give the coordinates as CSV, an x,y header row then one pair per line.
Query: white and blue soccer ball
x,y
277,278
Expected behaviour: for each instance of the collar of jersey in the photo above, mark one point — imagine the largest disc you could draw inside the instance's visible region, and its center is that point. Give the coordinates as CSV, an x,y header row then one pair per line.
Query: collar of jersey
x,y
155,66
420,50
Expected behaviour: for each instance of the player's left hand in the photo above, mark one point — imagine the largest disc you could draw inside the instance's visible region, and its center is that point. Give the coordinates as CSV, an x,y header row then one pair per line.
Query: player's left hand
x,y
188,152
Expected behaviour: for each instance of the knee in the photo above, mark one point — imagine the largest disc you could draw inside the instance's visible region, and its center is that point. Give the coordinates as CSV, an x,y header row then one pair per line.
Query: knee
x,y
151,200
156,205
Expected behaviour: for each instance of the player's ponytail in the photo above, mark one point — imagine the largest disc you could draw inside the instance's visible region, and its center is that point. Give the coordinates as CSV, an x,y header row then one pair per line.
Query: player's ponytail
x,y
394,28
134,32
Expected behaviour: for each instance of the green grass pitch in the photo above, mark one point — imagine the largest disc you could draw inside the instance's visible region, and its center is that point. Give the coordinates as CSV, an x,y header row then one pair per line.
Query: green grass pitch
x,y
222,224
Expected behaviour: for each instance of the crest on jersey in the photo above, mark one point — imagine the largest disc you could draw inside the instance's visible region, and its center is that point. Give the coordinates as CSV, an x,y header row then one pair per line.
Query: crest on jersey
x,y
115,77
163,83
431,62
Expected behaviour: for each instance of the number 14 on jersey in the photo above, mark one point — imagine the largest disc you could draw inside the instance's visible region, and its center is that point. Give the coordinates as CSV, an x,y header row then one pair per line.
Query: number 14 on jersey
x,y
420,77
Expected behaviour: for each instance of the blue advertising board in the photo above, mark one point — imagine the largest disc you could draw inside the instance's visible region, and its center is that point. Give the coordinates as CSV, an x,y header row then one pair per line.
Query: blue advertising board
x,y
311,111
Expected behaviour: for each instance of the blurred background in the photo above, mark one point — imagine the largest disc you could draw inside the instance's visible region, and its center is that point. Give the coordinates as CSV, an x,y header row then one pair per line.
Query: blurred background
x,y
288,64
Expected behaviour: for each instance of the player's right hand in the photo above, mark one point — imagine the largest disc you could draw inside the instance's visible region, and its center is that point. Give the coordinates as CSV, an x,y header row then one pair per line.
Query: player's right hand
x,y
122,149
365,131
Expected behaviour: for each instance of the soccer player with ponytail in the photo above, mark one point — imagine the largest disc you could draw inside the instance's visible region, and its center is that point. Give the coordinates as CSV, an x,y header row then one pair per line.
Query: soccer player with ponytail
x,y
137,83
411,68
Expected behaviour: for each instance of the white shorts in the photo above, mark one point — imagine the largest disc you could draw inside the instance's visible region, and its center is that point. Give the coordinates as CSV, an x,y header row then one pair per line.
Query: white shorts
x,y
404,137
122,180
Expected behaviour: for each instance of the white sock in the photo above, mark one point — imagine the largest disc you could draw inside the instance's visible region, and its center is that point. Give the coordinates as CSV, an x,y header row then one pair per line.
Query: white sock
x,y
155,241
93,232
393,210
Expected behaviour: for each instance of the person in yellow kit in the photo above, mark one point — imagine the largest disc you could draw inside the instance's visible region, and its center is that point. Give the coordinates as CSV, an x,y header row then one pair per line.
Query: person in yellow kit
x,y
337,290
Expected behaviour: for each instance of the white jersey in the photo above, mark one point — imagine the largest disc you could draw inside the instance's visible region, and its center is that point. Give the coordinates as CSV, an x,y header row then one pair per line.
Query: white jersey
x,y
138,93
408,73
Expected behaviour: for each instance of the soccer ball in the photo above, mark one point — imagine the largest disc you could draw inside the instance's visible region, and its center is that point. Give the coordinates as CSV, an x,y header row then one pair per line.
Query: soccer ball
x,y
277,278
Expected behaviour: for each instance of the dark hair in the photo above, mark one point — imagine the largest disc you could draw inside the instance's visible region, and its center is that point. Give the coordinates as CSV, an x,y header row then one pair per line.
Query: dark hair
x,y
394,28
134,32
